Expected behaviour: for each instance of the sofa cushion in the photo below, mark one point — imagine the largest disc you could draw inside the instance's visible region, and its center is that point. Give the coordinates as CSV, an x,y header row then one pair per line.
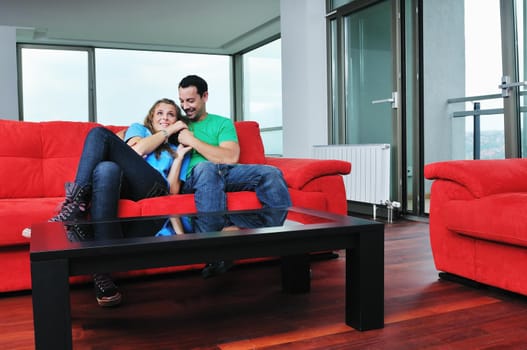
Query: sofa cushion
x,y
128,208
17,214
62,144
20,159
166,205
40,157
498,218
250,141
184,203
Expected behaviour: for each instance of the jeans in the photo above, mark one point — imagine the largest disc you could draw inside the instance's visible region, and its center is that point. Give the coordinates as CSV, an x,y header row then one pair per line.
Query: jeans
x,y
209,183
258,219
114,170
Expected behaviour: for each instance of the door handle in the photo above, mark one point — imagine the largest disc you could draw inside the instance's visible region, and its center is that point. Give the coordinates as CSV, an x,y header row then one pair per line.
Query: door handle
x,y
393,100
506,86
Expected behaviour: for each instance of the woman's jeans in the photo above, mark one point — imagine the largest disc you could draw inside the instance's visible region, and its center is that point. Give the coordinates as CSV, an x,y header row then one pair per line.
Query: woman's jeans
x,y
114,170
209,182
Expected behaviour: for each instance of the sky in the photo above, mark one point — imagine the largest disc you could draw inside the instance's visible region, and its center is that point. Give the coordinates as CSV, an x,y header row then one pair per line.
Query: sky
x,y
55,83
483,55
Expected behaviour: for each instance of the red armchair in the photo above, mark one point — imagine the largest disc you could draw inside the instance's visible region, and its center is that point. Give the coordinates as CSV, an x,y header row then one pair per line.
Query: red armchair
x,y
478,220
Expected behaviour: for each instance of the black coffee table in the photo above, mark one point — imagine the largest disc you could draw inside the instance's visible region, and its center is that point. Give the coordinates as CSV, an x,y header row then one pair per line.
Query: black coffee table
x,y
54,258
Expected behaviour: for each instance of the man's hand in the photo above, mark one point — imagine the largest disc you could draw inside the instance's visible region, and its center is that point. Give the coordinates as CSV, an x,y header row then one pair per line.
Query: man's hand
x,y
186,137
176,127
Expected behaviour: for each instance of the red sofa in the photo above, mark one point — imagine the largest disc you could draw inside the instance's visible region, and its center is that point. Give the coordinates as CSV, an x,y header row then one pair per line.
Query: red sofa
x,y
36,159
478,220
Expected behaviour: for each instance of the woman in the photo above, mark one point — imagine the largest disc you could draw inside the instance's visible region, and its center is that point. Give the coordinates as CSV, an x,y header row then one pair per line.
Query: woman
x,y
145,165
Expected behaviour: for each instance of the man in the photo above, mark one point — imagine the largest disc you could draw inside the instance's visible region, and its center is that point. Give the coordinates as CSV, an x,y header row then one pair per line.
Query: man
x,y
213,168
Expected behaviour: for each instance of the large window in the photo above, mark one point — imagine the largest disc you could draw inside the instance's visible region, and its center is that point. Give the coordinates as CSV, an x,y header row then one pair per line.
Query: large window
x,y
128,82
56,82
117,87
262,93
483,45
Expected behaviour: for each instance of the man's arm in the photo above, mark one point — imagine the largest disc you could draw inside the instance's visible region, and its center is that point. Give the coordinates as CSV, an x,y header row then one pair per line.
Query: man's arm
x,y
227,152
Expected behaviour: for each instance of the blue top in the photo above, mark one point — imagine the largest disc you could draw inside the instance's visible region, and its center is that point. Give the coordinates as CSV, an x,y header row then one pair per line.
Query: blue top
x,y
165,159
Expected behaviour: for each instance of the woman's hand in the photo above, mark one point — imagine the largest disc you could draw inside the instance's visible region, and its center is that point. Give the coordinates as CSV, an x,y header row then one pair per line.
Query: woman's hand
x,y
175,169
182,150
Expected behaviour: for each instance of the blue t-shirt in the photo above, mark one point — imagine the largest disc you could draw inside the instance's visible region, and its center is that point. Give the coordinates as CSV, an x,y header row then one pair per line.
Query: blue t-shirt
x,y
164,161
168,230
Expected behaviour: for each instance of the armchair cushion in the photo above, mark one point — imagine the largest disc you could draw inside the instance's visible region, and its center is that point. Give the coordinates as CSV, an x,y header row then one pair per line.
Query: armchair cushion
x,y
482,177
496,218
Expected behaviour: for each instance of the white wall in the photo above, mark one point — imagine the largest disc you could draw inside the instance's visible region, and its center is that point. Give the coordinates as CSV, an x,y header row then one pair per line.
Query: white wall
x,y
8,74
304,76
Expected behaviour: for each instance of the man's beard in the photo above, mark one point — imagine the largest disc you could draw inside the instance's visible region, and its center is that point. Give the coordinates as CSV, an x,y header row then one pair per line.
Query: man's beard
x,y
197,116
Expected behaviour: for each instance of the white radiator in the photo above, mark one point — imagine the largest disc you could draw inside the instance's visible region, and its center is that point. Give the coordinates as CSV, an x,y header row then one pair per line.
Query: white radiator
x,y
369,180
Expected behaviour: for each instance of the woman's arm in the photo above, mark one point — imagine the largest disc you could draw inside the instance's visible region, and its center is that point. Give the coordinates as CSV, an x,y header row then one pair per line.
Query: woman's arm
x,y
147,145
177,225
175,169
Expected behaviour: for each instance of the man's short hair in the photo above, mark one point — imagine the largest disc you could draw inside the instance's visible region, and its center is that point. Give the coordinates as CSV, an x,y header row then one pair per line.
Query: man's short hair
x,y
194,80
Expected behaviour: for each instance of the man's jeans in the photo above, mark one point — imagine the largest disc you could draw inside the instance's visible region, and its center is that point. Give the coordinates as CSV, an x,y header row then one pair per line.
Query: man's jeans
x,y
209,182
115,170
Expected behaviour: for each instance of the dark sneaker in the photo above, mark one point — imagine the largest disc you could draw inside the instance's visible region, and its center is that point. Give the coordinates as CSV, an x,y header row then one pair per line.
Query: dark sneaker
x,y
216,268
75,205
79,232
106,291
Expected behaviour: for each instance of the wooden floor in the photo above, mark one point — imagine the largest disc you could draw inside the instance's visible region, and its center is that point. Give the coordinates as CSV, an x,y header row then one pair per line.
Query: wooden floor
x,y
245,309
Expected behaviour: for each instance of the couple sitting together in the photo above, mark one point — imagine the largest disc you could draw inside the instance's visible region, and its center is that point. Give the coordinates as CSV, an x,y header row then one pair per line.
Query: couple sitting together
x,y
168,154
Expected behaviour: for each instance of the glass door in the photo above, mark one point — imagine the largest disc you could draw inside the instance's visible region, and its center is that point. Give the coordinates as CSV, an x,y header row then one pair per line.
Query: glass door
x,y
372,98
364,80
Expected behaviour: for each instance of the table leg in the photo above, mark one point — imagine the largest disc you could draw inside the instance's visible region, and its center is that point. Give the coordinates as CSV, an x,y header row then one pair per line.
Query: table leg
x,y
365,281
51,304
296,273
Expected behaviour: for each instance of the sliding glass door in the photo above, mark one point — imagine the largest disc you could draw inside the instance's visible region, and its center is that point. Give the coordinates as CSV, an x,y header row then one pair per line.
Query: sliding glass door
x,y
371,95
365,88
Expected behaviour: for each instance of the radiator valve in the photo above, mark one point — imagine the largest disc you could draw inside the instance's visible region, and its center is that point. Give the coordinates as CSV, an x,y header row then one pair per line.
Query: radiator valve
x,y
390,206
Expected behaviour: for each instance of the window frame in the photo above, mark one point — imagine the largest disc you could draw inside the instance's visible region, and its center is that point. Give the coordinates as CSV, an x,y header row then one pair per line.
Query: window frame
x,y
92,110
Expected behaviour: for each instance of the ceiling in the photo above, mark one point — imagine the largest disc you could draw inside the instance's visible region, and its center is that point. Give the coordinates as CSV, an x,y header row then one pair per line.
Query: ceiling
x,y
201,26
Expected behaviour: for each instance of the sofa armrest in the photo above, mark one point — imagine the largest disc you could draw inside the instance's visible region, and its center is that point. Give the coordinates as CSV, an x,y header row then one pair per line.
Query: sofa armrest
x,y
300,171
482,177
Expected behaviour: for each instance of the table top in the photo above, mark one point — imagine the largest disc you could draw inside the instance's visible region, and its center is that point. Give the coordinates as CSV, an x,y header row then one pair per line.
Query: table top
x,y
49,239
